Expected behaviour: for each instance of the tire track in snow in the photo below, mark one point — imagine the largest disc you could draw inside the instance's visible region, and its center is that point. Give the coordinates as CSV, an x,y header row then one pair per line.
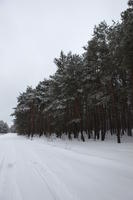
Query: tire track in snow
x,y
1,164
54,185
8,186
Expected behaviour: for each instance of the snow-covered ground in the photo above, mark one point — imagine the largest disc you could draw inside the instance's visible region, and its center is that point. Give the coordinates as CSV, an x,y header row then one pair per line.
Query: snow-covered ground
x,y
42,169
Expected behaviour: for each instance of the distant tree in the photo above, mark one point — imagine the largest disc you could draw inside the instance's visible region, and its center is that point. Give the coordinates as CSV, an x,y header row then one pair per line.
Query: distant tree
x,y
3,127
13,129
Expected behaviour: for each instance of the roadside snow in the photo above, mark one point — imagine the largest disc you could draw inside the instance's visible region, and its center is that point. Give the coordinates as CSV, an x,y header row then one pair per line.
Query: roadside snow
x,y
65,170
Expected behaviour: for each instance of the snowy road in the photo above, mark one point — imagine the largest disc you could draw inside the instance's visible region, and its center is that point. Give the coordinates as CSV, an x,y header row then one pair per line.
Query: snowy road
x,y
60,170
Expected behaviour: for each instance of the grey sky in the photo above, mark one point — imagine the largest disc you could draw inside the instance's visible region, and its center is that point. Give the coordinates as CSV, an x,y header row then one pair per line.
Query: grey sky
x,y
32,34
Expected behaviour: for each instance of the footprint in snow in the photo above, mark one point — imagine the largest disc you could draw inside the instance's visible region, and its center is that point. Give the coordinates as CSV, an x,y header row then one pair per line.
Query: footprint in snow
x,y
10,165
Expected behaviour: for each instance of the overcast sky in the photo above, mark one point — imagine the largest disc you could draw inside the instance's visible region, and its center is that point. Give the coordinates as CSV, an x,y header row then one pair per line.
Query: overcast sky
x,y
32,34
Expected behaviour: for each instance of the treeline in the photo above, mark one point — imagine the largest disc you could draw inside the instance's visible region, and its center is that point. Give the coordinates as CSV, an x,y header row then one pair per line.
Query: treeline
x,y
90,94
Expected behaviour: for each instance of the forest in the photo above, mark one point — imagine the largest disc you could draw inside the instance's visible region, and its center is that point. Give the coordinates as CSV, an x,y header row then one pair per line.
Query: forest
x,y
90,95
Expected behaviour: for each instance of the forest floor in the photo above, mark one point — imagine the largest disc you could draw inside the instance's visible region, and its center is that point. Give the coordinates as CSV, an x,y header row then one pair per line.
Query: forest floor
x,y
53,169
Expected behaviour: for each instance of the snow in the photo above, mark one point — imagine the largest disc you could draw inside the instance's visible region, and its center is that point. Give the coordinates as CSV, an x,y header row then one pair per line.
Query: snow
x,y
54,169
